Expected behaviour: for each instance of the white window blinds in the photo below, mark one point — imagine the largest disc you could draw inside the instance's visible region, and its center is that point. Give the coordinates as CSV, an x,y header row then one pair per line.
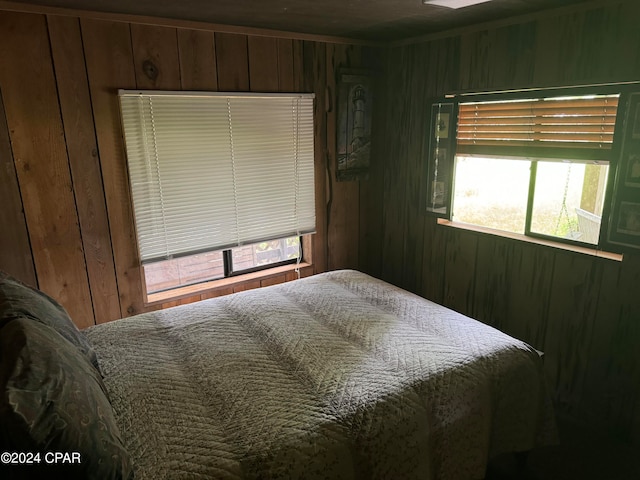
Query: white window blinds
x,y
211,170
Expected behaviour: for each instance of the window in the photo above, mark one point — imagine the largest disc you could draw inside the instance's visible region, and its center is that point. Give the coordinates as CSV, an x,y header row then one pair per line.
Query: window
x,y
221,183
535,165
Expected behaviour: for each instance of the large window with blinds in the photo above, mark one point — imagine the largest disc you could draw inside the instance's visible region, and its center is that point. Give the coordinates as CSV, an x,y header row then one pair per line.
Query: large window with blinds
x,y
533,163
221,183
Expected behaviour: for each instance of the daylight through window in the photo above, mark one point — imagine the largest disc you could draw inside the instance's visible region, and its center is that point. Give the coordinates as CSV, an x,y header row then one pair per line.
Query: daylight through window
x,y
535,166
221,183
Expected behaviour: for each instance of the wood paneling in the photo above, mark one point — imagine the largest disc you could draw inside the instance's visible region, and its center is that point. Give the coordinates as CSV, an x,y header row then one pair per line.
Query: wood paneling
x,y
63,158
343,212
15,251
314,81
40,155
263,64
575,307
75,104
286,66
197,60
155,54
110,66
233,62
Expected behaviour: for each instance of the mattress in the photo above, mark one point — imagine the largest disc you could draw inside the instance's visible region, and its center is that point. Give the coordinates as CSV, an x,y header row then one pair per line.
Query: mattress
x,y
335,376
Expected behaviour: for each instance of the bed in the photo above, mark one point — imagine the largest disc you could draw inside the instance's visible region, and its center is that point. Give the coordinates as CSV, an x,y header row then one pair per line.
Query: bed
x,y
334,376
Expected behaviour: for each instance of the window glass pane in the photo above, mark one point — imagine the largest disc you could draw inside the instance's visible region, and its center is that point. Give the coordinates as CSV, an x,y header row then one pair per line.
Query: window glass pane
x,y
568,200
183,271
265,253
491,192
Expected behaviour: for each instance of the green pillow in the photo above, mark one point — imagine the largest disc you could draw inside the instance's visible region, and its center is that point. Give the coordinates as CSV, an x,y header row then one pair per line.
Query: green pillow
x,y
18,300
53,400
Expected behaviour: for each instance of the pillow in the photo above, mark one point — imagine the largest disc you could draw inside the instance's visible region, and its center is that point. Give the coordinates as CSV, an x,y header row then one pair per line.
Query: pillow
x,y
53,400
18,300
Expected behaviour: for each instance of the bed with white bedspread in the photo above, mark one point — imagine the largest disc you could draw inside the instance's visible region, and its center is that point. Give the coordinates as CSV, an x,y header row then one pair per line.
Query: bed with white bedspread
x,y
334,376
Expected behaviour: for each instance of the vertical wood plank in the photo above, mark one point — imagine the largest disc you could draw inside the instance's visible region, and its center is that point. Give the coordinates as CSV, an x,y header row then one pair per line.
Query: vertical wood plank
x,y
459,271
530,278
263,64
492,286
232,62
433,261
155,53
298,66
415,145
110,66
576,308
15,250
371,205
625,65
37,137
547,54
625,349
314,81
474,65
286,66
343,223
198,69
576,287
394,172
75,104
606,388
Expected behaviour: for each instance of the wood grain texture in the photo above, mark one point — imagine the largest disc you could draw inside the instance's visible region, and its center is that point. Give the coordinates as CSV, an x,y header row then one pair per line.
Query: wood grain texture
x,y
314,81
625,351
217,293
414,145
530,275
344,204
15,251
286,66
110,66
433,261
576,283
492,283
459,275
608,389
298,66
198,70
155,53
233,62
370,201
275,280
575,307
263,64
250,285
394,217
37,138
77,116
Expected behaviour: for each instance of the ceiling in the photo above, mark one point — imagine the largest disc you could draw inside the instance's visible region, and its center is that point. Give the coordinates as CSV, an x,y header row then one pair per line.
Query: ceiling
x,y
368,20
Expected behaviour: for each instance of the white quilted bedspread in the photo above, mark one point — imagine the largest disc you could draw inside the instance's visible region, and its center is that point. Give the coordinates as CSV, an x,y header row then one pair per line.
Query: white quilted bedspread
x,y
335,376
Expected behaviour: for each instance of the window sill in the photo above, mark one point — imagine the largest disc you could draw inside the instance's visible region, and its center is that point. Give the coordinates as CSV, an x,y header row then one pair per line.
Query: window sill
x,y
537,241
219,284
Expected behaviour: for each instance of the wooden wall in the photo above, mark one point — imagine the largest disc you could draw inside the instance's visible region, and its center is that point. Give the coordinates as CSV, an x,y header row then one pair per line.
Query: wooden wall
x,y
584,312
66,217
